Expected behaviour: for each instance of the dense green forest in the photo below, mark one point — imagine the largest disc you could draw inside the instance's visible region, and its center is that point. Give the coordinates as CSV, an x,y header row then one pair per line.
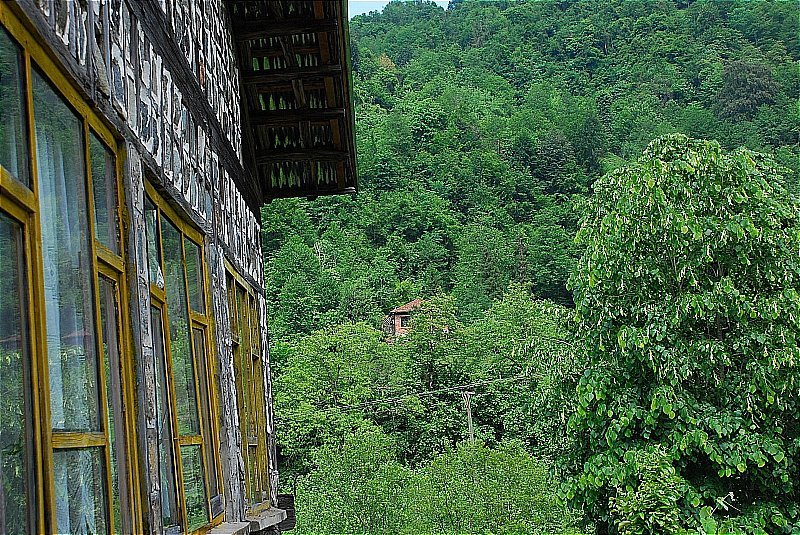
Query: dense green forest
x,y
572,189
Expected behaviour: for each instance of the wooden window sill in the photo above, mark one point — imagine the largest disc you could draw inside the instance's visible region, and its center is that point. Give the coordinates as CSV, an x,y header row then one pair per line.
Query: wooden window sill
x,y
230,528
266,518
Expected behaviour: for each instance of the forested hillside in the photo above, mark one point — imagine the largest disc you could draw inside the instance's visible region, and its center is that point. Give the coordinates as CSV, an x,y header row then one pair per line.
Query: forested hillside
x,y
483,132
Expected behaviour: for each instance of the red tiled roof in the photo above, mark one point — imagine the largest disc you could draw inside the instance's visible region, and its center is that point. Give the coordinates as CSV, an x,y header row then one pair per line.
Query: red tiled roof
x,y
408,307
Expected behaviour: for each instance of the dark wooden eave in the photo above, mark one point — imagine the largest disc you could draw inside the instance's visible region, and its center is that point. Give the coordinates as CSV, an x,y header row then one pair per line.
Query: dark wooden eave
x,y
297,110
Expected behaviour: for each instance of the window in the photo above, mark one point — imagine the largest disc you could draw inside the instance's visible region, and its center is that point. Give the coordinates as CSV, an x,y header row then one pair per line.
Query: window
x,y
251,398
16,444
191,494
404,320
65,433
13,140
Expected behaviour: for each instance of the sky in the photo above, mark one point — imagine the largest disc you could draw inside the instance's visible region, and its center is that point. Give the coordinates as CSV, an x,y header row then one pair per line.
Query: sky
x,y
358,7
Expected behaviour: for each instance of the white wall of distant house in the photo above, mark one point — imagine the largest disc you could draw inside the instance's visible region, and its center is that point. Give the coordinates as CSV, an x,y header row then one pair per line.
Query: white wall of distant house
x,y
359,7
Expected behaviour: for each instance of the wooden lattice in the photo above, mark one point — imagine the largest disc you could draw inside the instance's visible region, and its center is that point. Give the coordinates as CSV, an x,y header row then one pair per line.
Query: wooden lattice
x,y
296,101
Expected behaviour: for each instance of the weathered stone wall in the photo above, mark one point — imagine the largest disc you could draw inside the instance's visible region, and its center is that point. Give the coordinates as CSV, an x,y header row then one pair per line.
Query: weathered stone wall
x,y
164,75
145,70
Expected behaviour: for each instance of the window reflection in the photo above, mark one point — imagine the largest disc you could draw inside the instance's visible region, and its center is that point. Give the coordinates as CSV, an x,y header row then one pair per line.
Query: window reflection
x,y
194,487
104,186
80,491
194,275
180,346
116,429
166,462
209,438
13,141
153,242
15,462
71,343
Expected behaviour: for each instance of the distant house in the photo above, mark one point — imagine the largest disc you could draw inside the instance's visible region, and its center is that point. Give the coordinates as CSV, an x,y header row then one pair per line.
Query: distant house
x,y
398,321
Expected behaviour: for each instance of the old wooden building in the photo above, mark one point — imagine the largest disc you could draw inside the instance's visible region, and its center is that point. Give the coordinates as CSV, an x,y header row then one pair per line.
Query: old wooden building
x,y
139,140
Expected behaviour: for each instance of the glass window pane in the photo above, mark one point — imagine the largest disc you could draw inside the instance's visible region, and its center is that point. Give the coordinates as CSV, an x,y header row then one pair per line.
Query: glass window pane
x,y
180,347
15,437
244,319
104,186
116,426
232,310
255,327
194,489
194,275
153,241
68,271
255,488
166,460
80,491
13,141
210,439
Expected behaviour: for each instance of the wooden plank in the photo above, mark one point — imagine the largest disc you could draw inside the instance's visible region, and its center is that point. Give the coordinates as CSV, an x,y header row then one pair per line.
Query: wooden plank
x,y
292,117
309,155
264,29
290,74
68,440
277,52
304,191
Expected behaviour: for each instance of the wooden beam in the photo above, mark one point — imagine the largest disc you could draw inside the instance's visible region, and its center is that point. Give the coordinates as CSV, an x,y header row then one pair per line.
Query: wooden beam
x,y
304,191
292,117
290,73
278,52
250,30
309,155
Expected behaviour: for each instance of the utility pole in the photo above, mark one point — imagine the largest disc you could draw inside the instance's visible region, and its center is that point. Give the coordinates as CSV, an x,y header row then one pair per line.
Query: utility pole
x,y
466,395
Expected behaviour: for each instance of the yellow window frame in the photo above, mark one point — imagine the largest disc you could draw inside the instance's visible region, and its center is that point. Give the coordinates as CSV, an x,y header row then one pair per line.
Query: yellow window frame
x,y
21,213
252,404
21,202
200,320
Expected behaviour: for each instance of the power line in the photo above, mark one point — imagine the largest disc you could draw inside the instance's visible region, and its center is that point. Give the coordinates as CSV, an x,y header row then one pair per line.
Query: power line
x,y
427,393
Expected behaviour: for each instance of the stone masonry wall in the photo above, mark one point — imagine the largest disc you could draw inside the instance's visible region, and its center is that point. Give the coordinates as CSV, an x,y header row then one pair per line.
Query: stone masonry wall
x,y
125,72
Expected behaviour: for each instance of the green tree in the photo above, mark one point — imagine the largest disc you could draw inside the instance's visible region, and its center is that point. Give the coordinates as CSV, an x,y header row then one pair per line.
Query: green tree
x,y
318,375
526,345
483,270
745,87
358,486
688,306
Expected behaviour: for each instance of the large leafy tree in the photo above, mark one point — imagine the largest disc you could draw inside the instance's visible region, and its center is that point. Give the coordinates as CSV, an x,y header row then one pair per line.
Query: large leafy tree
x,y
687,301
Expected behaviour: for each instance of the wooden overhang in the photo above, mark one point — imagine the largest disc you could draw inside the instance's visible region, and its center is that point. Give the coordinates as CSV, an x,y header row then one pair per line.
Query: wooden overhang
x,y
297,110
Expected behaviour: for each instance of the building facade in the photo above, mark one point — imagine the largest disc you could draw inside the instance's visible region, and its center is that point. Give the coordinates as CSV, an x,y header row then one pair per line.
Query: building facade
x,y
398,321
138,141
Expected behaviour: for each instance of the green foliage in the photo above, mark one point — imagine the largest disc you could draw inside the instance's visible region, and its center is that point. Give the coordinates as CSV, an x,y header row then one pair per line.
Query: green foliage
x,y
745,88
322,379
687,302
344,365
519,336
480,129
482,134
650,502
358,486
13,461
